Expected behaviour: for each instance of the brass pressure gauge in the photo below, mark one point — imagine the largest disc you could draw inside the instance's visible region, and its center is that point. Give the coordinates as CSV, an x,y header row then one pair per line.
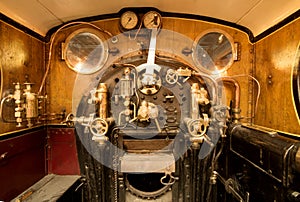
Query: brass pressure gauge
x,y
152,19
129,20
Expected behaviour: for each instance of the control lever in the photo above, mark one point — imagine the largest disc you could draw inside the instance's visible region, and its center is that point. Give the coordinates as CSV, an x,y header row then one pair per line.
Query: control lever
x,y
152,48
229,187
169,177
150,66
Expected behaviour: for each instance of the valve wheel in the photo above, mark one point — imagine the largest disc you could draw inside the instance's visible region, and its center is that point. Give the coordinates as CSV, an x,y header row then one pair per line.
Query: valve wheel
x,y
197,128
171,76
98,127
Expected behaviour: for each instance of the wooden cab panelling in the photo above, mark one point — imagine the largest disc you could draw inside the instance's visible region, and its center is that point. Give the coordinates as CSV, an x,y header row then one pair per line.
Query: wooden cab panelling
x,y
274,63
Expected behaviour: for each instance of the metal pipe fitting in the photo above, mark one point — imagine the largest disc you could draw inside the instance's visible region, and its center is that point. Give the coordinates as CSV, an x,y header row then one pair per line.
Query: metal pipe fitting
x,y
237,89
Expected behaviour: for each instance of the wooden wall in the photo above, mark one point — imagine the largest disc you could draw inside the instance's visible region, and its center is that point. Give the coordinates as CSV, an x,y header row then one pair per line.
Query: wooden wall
x,y
270,60
275,58
22,60
61,78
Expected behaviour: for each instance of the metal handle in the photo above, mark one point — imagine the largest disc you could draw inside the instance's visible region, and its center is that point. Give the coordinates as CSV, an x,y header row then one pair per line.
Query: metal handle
x,y
229,187
171,180
3,156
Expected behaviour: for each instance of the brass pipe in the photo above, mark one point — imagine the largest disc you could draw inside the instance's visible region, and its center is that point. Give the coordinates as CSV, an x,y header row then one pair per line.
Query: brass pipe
x,y
1,110
101,100
237,89
258,90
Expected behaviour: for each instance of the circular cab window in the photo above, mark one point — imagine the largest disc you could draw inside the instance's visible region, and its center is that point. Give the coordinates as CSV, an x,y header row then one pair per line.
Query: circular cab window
x,y
213,51
85,51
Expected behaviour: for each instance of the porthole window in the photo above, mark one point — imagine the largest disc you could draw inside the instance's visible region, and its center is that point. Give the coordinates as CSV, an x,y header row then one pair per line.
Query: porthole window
x,y
85,51
213,51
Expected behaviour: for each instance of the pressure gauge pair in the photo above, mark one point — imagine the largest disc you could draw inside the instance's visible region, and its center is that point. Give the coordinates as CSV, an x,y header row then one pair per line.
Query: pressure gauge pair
x,y
130,20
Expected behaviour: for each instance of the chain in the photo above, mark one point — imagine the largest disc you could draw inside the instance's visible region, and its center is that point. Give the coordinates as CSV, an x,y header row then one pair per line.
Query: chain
x,y
115,165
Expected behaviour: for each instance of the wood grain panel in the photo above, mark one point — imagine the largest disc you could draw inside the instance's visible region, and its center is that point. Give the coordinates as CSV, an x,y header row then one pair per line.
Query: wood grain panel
x,y
61,78
22,60
22,55
274,65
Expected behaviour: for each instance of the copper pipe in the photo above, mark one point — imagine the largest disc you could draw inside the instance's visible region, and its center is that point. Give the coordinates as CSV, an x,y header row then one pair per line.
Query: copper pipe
x,y
237,89
258,90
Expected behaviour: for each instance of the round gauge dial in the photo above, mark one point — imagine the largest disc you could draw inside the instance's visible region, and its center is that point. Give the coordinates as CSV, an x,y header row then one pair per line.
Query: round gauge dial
x,y
152,20
129,20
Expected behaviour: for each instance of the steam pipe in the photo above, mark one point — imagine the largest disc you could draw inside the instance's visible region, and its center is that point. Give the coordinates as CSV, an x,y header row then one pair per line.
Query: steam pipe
x,y
1,110
237,89
258,90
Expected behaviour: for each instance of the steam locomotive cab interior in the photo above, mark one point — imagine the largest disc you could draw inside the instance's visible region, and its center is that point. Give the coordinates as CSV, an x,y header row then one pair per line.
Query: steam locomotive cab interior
x,y
151,111
145,105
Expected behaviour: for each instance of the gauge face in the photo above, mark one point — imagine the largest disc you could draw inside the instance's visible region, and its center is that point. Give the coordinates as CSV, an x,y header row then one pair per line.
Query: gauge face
x,y
129,20
152,20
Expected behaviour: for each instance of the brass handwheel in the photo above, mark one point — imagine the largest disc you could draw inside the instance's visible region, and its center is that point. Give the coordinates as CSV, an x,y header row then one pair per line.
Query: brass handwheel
x,y
98,127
